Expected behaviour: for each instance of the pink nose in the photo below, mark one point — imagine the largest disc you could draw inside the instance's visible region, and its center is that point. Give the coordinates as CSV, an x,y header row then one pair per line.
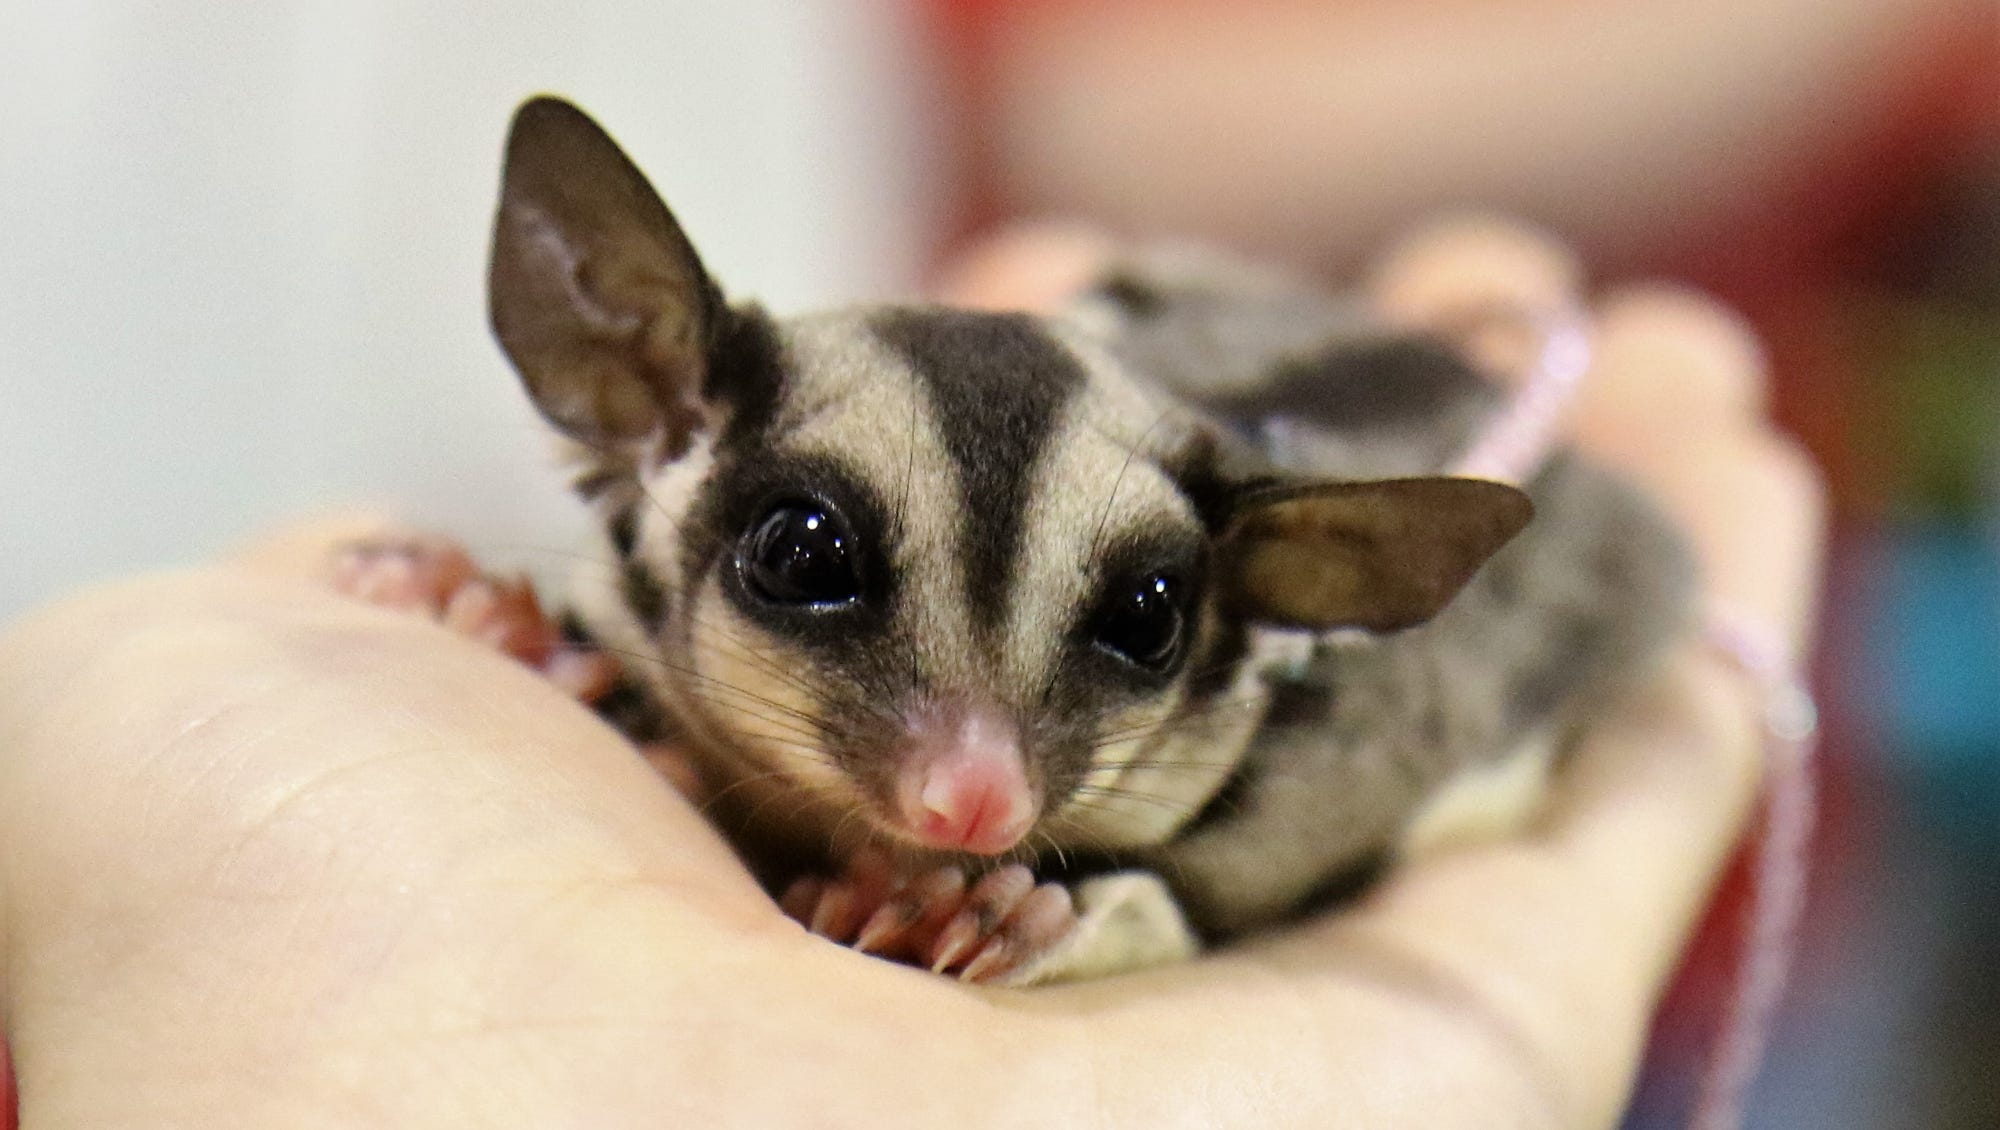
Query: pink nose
x,y
976,808
962,785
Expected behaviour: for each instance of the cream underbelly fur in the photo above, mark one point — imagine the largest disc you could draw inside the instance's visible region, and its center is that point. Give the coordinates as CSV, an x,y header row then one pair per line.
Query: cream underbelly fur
x,y
1485,803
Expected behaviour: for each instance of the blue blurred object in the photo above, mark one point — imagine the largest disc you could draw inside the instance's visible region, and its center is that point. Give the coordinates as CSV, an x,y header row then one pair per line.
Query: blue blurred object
x,y
1931,682
1938,621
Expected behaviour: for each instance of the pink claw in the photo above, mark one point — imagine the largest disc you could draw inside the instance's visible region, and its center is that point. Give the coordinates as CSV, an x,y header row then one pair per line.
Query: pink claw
x,y
986,907
958,936
913,910
1042,919
993,959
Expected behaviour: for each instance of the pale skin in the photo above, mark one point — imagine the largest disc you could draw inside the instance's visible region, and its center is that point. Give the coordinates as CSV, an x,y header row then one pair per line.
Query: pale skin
x,y
270,857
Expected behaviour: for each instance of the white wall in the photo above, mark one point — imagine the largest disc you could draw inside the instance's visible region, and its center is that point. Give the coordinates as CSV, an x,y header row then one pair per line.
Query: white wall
x,y
242,244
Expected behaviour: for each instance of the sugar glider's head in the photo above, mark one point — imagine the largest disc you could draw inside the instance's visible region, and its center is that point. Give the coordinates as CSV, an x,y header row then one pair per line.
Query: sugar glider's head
x,y
955,572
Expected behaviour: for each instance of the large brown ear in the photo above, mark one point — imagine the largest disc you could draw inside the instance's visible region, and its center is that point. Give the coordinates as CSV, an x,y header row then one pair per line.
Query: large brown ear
x,y
1376,555
594,292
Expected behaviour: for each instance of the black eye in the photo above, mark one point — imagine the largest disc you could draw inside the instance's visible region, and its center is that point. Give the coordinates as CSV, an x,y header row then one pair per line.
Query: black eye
x,y
800,553
1143,623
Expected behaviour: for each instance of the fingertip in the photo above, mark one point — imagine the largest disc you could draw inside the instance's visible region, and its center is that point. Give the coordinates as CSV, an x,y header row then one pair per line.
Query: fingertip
x,y
1667,352
306,547
1473,260
1028,265
1767,563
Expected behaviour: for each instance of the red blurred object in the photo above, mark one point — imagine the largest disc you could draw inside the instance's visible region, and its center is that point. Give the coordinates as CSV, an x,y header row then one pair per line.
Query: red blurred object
x,y
1785,262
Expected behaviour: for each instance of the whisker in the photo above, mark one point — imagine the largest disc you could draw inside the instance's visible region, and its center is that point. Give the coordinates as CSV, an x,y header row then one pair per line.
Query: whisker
x,y
1116,792
1176,724
1068,824
788,734
709,683
720,684
742,650
1062,859
749,779
1131,453
1156,766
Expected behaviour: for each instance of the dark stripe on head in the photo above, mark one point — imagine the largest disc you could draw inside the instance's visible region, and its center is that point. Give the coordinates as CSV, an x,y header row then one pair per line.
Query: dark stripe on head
x,y
997,385
1211,676
1212,669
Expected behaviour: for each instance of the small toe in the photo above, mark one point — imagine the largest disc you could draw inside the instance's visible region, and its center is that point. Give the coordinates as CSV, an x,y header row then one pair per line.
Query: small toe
x,y
802,898
910,918
987,905
1041,919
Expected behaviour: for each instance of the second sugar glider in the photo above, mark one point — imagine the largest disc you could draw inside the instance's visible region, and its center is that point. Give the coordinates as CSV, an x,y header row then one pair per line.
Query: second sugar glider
x,y
1166,597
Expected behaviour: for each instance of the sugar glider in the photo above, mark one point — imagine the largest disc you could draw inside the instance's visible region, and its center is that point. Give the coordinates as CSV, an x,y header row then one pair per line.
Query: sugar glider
x,y
1094,637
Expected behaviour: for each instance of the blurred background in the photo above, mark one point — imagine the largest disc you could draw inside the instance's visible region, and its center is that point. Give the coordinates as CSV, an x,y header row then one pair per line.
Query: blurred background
x,y
244,247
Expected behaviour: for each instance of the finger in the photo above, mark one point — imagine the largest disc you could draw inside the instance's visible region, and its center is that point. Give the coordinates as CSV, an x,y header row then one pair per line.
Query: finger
x,y
1040,920
1674,401
306,548
910,920
1654,797
1487,284
1668,353
1753,509
1029,266
1465,262
801,899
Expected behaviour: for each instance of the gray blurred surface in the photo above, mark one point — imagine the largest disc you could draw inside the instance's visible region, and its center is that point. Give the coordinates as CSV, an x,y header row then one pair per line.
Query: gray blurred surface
x,y
245,242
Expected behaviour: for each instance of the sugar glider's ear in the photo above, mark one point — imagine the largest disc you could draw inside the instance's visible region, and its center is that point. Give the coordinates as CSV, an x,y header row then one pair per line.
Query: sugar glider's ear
x,y
1376,555
594,292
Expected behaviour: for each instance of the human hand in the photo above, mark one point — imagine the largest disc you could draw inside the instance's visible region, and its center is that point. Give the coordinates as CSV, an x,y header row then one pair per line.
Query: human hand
x,y
268,857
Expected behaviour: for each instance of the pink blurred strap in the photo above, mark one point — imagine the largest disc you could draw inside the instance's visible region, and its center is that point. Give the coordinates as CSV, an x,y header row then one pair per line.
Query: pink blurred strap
x,y
1513,449
1780,872
1514,446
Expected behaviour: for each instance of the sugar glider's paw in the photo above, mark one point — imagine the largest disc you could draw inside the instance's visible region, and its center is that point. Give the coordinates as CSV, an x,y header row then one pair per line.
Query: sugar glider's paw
x,y
434,577
1126,920
417,574
982,931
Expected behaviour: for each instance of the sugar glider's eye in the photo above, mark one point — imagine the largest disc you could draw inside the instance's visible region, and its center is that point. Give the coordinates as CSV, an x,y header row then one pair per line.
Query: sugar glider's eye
x,y
800,553
1142,622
